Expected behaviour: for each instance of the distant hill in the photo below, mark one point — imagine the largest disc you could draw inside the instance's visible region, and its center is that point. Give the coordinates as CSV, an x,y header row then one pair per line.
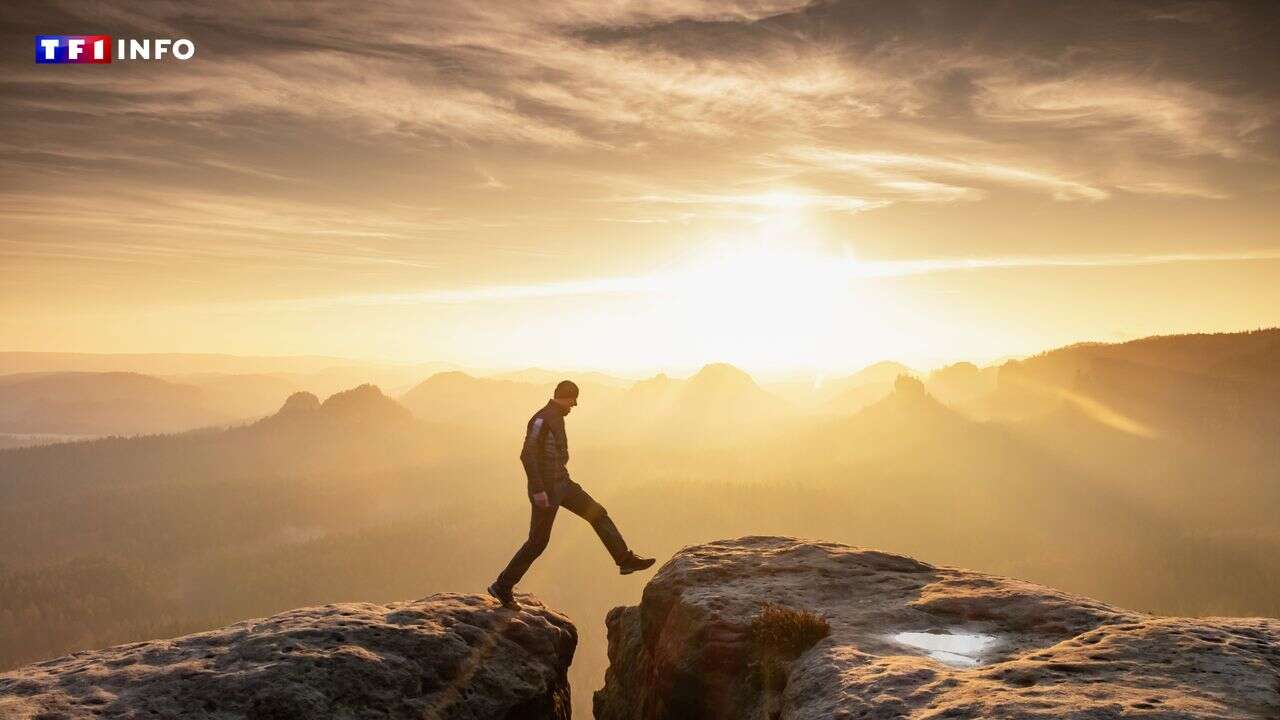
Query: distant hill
x,y
840,395
962,382
161,363
723,383
885,372
363,406
897,425
56,397
323,375
468,400
713,405
847,395
1220,385
857,397
37,408
957,383
114,482
247,396
946,469
1242,355
500,408
355,429
17,440
111,403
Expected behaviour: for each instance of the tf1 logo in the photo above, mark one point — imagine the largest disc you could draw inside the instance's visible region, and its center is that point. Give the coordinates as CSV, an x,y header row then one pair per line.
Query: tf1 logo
x,y
98,49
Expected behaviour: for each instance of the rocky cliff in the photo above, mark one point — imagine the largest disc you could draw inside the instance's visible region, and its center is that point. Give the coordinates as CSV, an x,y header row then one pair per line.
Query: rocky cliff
x,y
445,656
885,636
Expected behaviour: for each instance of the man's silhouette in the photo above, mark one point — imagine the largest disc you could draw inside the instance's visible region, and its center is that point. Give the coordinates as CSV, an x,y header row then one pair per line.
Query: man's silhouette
x,y
544,456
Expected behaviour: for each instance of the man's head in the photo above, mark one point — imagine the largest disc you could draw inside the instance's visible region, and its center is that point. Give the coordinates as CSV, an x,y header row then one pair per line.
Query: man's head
x,y
566,395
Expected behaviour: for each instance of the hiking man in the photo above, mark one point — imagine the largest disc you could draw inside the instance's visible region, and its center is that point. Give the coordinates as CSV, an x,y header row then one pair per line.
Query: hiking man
x,y
544,456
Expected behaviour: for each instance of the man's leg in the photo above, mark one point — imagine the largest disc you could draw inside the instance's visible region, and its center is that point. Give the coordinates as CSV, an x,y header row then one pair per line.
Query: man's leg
x,y
577,501
540,522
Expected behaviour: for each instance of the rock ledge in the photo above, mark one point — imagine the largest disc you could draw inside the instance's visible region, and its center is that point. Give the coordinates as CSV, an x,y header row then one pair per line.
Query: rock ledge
x,y
685,651
444,656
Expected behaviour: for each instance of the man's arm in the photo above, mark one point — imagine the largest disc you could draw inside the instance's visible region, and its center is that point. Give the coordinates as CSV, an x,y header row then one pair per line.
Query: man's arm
x,y
532,454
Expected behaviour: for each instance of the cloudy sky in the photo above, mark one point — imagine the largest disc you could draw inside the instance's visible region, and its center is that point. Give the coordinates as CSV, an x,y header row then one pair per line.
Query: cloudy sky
x,y
634,186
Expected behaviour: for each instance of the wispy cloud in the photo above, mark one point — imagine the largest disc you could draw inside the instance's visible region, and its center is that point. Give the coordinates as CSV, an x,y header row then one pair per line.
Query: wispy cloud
x,y
896,268
761,203
917,175
1170,115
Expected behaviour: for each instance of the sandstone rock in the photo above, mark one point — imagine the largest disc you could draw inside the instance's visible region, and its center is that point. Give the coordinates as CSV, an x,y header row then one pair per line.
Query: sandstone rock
x,y
685,651
300,403
445,656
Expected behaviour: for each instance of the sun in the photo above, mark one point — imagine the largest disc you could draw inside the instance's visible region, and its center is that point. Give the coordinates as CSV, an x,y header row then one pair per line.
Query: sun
x,y
772,299
774,296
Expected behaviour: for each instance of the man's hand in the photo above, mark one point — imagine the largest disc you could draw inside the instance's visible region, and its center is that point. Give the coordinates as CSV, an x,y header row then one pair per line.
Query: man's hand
x,y
540,499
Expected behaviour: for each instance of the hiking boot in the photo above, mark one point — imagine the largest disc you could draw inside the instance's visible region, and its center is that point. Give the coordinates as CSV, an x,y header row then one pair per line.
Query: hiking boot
x,y
504,596
633,562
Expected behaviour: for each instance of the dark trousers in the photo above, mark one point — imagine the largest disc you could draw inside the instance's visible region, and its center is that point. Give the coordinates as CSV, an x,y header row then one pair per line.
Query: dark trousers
x,y
576,500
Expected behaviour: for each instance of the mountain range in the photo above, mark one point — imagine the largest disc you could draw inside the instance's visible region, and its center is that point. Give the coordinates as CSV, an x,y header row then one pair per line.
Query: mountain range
x,y
1177,384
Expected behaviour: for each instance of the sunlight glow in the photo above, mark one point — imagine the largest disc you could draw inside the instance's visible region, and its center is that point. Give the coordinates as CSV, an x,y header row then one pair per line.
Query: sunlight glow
x,y
771,296
1095,409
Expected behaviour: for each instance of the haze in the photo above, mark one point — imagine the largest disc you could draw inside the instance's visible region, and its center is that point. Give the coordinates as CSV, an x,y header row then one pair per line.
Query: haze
x,y
793,188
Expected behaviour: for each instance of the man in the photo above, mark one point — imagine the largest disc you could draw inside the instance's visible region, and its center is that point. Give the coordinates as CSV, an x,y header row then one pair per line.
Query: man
x,y
544,456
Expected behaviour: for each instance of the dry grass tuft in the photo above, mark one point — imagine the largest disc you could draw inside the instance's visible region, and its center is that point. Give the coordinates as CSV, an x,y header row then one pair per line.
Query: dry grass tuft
x,y
783,632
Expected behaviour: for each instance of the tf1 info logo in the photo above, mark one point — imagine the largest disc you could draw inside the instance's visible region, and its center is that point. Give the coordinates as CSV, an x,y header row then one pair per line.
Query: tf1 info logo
x,y
100,50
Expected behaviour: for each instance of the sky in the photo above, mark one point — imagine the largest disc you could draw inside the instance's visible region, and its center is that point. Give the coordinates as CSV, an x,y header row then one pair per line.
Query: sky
x,y
790,187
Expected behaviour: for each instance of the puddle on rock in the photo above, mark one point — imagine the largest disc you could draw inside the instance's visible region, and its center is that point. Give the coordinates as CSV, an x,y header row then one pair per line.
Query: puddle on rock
x,y
954,647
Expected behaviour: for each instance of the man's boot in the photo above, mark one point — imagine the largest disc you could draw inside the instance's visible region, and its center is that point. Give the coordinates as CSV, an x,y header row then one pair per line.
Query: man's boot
x,y
504,595
632,563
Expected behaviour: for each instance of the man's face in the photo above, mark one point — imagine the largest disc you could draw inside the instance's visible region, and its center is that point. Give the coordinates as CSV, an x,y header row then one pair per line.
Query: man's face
x,y
565,403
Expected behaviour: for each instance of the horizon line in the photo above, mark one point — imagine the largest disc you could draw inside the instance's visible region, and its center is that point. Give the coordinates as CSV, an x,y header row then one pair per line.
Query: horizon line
x,y
641,374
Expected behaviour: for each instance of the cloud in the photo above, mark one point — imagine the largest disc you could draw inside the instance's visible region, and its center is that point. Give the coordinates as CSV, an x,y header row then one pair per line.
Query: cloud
x,y
917,175
899,268
1187,119
134,225
1106,98
762,203
305,120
